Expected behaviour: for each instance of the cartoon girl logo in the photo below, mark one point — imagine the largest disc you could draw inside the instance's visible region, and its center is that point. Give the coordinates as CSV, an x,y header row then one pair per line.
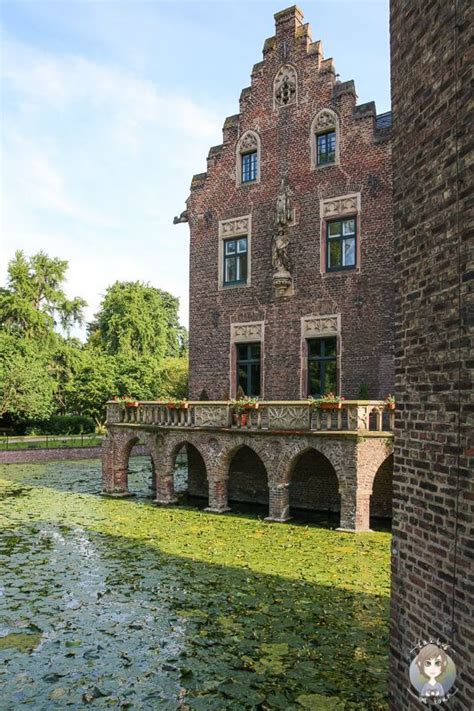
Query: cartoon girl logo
x,y
432,673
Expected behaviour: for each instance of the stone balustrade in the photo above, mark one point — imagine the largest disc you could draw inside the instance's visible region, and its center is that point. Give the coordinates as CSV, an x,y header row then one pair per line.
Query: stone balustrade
x,y
281,416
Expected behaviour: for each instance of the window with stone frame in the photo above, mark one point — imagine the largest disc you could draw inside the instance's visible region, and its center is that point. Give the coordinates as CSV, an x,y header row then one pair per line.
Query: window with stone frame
x,y
235,261
248,158
248,370
326,148
249,166
341,244
325,139
322,366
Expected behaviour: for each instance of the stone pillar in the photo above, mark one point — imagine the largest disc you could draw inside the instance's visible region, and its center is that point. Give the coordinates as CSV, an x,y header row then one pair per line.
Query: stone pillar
x,y
114,470
355,510
218,495
165,490
279,503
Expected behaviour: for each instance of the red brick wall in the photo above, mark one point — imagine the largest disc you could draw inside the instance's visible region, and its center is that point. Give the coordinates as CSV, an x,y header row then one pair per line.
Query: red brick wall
x,y
433,516
247,478
314,484
363,298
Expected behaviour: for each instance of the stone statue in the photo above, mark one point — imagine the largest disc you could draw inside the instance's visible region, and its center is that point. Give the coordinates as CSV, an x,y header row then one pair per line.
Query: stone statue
x,y
282,279
283,209
280,259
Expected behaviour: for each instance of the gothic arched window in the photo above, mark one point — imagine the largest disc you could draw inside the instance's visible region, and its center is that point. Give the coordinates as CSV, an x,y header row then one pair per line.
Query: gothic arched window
x,y
324,138
248,158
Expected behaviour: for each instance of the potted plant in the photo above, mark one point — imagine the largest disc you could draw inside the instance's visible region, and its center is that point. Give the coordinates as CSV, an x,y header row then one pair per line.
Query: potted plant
x,y
390,402
176,404
328,401
129,402
241,407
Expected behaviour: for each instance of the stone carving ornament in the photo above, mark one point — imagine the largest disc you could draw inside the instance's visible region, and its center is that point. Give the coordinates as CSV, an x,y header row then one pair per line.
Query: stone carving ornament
x,y
238,226
340,206
324,120
321,324
248,142
282,279
284,86
287,417
245,331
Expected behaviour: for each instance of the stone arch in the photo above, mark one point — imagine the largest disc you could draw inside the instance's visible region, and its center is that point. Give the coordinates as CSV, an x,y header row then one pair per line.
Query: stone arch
x,y
247,475
248,143
382,490
325,120
198,465
116,456
285,86
313,482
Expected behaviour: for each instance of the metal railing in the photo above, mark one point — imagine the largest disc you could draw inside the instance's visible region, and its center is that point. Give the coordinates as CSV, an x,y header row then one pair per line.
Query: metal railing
x,y
9,443
282,415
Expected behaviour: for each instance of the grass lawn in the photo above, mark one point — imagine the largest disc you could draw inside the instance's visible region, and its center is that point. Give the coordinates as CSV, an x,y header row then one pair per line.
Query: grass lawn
x,y
132,606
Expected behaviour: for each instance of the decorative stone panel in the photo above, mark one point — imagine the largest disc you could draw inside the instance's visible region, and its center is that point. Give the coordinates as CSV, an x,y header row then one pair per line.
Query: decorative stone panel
x,y
340,206
316,326
288,418
285,86
246,332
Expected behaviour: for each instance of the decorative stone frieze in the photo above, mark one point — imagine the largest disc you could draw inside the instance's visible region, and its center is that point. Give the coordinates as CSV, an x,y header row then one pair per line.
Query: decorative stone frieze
x,y
316,326
343,205
235,226
245,332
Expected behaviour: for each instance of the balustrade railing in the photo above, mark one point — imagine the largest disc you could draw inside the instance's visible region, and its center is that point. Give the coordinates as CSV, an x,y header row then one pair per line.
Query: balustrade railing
x,y
283,415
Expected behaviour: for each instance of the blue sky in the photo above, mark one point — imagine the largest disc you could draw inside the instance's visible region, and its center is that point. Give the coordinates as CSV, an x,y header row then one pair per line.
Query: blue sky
x,y
108,108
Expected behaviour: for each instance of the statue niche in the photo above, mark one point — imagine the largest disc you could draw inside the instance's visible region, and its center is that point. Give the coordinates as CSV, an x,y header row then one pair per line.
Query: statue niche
x,y
282,279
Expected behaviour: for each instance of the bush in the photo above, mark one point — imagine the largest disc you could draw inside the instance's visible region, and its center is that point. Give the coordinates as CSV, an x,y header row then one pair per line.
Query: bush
x,y
61,425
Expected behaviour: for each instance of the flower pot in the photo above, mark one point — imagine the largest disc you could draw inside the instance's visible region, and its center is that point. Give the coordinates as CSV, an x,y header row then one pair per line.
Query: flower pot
x,y
131,404
390,405
243,419
330,405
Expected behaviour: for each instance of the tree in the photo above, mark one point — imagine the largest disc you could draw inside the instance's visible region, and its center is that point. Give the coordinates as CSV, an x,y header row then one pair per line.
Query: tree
x,y
94,382
136,319
34,302
27,387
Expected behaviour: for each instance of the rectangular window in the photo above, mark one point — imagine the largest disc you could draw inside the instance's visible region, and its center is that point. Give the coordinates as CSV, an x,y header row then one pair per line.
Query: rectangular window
x,y
249,167
235,261
326,148
322,366
248,368
341,247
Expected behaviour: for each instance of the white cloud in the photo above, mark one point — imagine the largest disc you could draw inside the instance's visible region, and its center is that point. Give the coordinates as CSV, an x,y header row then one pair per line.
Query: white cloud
x,y
86,173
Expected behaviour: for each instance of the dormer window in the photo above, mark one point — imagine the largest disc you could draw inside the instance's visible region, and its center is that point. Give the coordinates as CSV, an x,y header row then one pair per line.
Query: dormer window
x,y
248,158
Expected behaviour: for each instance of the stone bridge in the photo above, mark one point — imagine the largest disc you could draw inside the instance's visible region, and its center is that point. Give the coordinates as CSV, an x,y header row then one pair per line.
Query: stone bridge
x,y
286,454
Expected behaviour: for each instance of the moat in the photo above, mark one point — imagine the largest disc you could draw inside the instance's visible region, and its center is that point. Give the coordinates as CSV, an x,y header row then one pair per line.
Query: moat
x,y
121,604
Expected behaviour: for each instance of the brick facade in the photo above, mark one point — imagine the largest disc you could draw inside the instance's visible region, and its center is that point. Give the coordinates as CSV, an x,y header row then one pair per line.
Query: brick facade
x,y
432,561
360,299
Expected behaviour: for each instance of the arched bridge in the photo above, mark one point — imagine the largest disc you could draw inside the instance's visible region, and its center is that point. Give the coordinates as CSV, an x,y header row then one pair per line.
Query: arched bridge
x,y
286,454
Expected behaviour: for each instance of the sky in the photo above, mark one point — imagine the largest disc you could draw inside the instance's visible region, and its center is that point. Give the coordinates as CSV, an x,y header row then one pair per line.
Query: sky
x,y
109,107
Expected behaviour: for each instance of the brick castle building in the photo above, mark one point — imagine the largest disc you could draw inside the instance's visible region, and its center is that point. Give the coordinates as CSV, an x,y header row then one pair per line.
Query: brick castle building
x,y
291,290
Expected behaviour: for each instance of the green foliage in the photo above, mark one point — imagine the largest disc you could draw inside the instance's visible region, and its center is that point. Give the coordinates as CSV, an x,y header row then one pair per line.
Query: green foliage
x,y
136,345
137,319
27,387
93,384
363,392
173,377
34,301
61,425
